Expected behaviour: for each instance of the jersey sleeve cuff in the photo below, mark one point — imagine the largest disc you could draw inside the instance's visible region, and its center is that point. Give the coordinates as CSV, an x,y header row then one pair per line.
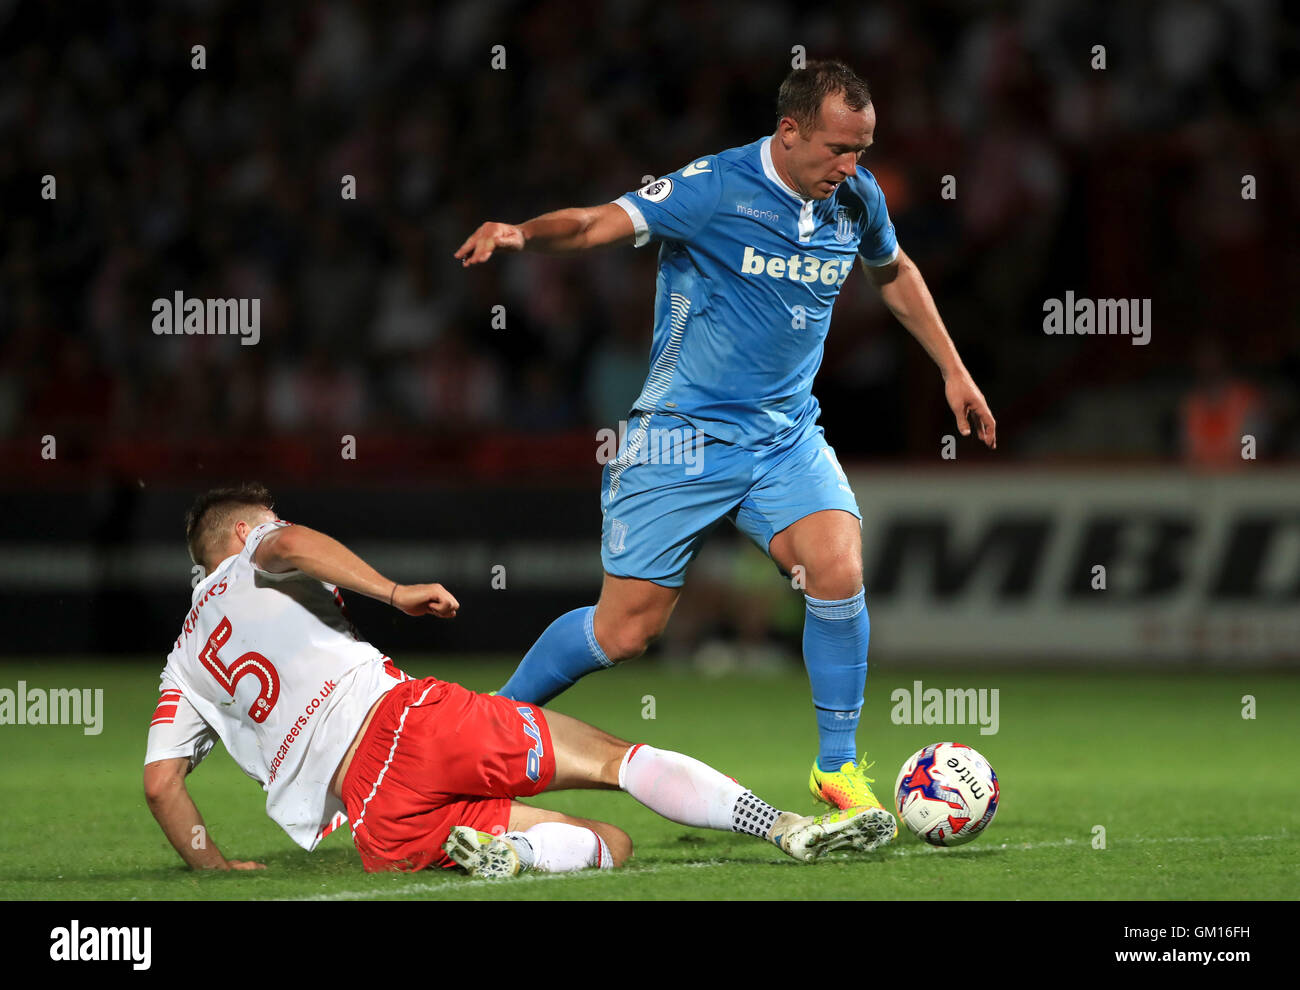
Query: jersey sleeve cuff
x,y
256,537
881,262
638,220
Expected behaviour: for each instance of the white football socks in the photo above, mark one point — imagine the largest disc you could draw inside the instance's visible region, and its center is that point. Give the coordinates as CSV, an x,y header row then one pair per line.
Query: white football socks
x,y
689,792
557,847
676,786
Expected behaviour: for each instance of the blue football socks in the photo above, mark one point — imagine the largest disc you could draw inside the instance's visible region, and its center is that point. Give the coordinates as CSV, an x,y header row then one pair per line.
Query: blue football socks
x,y
835,637
566,651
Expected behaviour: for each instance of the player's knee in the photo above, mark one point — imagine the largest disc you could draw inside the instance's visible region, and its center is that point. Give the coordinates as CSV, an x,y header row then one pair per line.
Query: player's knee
x,y
632,638
620,844
836,578
161,781
611,763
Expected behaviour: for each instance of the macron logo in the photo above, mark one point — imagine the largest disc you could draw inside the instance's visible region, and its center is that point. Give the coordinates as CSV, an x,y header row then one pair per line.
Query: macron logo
x,y
797,268
695,168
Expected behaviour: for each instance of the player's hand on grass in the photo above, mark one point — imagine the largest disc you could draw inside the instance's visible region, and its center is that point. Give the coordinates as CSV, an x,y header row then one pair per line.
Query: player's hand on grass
x,y
244,864
488,238
967,402
425,599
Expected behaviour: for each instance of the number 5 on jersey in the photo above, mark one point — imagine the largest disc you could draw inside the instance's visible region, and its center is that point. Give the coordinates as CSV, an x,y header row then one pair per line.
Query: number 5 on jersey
x,y
248,663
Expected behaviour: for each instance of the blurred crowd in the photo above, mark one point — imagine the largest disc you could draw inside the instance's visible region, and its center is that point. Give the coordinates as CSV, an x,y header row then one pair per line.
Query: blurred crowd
x,y
1117,182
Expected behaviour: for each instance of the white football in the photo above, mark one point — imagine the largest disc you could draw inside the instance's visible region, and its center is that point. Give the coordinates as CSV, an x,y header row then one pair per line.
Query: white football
x,y
946,794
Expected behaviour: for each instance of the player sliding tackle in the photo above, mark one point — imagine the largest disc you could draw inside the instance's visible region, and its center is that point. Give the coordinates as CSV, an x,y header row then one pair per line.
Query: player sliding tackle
x,y
756,242
428,772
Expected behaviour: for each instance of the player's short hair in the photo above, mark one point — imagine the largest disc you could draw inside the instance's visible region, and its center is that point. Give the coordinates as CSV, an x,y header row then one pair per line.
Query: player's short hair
x,y
215,511
803,91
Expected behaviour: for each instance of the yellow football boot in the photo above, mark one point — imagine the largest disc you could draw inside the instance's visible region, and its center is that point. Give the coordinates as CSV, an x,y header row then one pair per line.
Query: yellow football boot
x,y
847,787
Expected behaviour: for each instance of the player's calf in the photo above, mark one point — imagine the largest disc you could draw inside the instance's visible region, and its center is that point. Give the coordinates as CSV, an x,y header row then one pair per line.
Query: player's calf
x,y
689,792
686,791
524,817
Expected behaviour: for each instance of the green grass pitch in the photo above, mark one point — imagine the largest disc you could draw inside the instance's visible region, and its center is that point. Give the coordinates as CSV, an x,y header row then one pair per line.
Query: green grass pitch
x,y
1196,801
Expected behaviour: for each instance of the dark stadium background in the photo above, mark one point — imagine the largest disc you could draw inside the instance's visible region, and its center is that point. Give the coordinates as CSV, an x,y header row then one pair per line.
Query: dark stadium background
x,y
476,446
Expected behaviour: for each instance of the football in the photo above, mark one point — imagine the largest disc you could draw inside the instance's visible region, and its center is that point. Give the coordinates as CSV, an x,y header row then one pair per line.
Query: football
x,y
946,794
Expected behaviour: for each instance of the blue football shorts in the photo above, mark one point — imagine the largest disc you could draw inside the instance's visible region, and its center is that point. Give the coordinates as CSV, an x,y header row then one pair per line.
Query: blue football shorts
x,y
670,484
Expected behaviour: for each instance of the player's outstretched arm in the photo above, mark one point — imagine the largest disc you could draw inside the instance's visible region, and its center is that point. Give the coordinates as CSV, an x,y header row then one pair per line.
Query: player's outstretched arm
x,y
905,293
576,229
326,559
176,813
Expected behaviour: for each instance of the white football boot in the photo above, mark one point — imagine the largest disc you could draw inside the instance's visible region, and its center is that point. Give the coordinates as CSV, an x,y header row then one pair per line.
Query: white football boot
x,y
807,839
481,854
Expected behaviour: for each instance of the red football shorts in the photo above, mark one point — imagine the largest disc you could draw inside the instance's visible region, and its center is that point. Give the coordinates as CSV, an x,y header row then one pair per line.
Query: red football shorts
x,y
437,755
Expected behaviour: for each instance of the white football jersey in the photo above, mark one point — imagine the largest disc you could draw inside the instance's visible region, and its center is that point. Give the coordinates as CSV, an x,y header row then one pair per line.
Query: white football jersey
x,y
271,665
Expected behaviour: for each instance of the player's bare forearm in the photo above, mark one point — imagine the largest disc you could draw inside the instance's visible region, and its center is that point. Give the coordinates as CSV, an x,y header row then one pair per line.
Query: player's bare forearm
x,y
326,559
578,228
560,230
905,293
323,557
179,818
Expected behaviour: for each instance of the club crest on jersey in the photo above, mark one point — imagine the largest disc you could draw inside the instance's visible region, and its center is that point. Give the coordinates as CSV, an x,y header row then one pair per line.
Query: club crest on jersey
x,y
843,226
656,191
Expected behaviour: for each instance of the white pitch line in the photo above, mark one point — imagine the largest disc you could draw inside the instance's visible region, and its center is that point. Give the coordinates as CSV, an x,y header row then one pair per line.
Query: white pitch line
x,y
453,886
1087,843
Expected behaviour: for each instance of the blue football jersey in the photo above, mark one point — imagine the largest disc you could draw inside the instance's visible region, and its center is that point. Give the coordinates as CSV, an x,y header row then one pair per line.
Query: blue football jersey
x,y
748,275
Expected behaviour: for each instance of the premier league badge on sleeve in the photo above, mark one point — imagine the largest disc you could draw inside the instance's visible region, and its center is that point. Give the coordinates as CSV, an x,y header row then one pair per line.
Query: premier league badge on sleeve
x,y
656,191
